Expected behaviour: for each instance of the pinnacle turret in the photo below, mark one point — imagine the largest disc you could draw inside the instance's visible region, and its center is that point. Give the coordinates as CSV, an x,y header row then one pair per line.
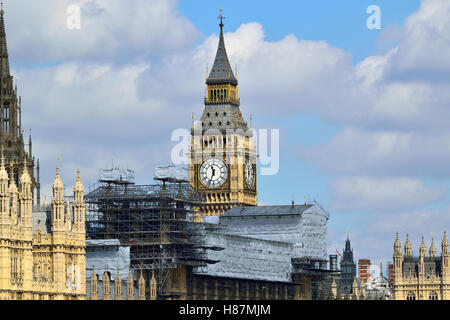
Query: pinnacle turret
x,y
444,244
423,248
408,247
397,245
432,249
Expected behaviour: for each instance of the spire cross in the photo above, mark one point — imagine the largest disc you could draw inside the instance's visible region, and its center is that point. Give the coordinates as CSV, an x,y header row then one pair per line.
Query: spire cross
x,y
221,17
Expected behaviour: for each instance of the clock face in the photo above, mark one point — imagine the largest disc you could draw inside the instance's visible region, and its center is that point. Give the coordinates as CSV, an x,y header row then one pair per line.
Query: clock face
x,y
213,173
249,174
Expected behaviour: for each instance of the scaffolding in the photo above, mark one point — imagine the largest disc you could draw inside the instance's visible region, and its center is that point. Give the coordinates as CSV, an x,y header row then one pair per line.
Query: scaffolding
x,y
154,220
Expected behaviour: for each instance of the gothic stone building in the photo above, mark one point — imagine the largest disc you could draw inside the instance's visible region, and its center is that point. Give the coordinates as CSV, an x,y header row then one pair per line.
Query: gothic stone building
x,y
11,130
47,264
348,270
426,277
37,261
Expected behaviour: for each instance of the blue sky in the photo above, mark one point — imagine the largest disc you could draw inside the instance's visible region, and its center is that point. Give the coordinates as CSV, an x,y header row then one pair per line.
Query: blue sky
x,y
363,114
340,23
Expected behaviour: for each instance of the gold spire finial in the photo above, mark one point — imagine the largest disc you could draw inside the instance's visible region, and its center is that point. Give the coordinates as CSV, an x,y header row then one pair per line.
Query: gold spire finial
x,y
221,17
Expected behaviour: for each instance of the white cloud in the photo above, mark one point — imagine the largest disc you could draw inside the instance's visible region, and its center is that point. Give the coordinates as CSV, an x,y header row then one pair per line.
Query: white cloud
x,y
111,30
381,194
357,152
424,48
118,87
416,223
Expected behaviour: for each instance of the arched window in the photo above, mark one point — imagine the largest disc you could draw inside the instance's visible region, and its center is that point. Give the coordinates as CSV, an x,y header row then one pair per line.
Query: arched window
x,y
6,117
16,176
411,296
433,296
225,94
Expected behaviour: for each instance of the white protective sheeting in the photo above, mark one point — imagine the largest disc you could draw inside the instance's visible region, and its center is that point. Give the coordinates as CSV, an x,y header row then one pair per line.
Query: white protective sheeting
x,y
107,255
116,174
172,172
305,227
247,258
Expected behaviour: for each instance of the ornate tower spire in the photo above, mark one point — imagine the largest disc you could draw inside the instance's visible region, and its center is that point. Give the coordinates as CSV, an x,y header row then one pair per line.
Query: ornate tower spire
x,y
79,210
226,176
444,244
4,61
397,245
141,287
11,136
445,264
130,286
398,260
221,82
118,285
94,285
422,254
153,285
26,197
58,203
106,285
221,71
432,248
423,248
408,247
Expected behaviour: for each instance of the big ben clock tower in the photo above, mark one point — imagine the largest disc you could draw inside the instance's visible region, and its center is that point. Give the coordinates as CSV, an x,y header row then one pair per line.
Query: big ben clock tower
x,y
222,157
